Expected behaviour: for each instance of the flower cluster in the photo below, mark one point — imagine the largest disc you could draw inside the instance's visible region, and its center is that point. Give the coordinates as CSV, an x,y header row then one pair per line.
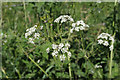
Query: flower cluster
x,y
60,50
103,38
79,25
98,66
30,32
37,35
64,18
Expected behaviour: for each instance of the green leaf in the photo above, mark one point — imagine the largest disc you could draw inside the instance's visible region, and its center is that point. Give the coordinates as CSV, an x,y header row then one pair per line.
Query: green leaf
x,y
80,73
30,75
81,55
43,48
47,70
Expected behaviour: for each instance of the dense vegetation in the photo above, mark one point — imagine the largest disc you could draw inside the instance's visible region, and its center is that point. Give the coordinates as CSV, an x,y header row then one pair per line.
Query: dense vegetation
x,y
86,57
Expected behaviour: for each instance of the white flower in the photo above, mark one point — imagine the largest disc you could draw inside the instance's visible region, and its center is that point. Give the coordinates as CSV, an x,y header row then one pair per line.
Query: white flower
x,y
79,25
41,27
92,71
57,20
2,34
81,22
5,41
82,28
71,19
64,50
54,46
69,54
77,28
100,41
48,50
37,35
86,26
104,36
111,38
35,26
73,25
30,31
98,66
31,40
61,45
62,57
26,35
38,61
67,45
105,43
71,30
54,53
27,30
63,18
111,47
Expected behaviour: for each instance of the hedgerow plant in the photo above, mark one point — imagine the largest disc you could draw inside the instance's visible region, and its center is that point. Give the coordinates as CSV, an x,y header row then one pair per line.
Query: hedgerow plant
x,y
62,43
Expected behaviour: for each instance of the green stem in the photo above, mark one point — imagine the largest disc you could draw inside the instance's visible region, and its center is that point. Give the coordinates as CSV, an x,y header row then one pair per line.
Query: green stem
x,y
25,12
45,32
99,74
111,58
58,31
69,65
110,65
52,34
18,72
48,30
69,68
111,54
4,72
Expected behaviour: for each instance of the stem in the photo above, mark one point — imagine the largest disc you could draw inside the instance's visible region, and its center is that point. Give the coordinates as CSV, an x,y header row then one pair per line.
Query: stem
x,y
58,31
18,72
111,57
25,12
48,30
99,74
110,65
69,69
52,34
4,72
69,65
111,54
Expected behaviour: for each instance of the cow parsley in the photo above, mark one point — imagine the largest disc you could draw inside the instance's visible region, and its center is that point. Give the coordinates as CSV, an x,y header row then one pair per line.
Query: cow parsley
x,y
98,66
79,25
60,51
62,57
30,32
37,35
64,18
104,39
48,50
31,40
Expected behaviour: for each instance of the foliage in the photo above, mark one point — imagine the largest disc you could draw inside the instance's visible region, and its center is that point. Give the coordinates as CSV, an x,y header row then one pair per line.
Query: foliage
x,y
21,59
